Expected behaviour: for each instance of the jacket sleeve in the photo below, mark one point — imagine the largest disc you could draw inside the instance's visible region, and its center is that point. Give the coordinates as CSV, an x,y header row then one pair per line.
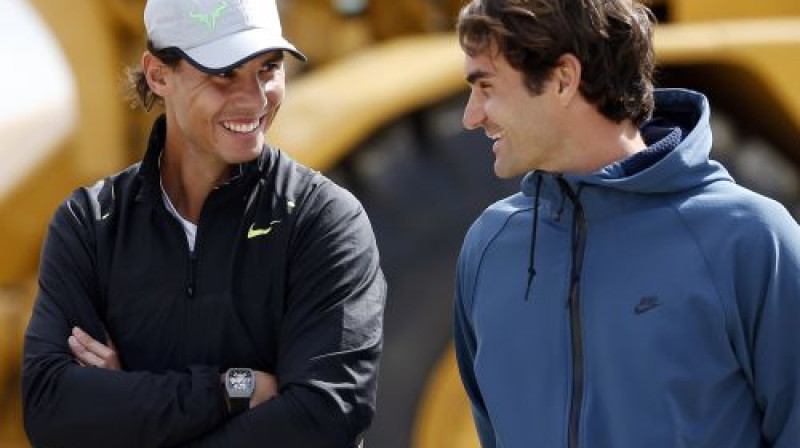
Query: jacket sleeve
x,y
66,404
466,344
330,337
767,279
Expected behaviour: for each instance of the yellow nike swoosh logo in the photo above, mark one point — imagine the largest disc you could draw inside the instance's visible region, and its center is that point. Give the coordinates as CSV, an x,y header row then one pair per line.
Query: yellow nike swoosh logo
x,y
252,232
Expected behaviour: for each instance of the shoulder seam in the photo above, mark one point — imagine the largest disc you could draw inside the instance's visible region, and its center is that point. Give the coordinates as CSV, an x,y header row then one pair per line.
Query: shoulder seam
x,y
706,261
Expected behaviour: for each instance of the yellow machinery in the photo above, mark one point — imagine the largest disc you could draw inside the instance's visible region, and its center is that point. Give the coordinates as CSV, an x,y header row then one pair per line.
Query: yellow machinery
x,y
372,64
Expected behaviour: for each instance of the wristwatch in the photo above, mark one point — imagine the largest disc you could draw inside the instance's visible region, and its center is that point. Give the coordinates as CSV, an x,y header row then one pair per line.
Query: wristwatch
x,y
240,383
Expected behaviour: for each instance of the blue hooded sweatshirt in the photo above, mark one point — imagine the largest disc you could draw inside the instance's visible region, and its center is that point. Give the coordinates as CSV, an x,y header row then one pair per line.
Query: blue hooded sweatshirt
x,y
653,303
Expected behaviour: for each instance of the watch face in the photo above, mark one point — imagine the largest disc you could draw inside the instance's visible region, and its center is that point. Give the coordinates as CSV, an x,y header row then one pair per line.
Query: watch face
x,y
240,381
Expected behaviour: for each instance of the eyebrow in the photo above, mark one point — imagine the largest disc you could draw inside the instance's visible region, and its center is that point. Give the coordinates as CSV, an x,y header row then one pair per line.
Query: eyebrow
x,y
477,75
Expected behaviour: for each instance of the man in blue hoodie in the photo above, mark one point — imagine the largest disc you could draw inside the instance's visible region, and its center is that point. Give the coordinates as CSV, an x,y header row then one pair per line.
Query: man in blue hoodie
x,y
632,294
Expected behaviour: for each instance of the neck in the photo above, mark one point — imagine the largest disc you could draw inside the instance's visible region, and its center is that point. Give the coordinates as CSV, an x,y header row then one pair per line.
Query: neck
x,y
602,142
188,180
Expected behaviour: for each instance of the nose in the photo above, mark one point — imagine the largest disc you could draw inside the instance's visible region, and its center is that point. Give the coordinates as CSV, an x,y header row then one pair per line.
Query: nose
x,y
474,115
253,91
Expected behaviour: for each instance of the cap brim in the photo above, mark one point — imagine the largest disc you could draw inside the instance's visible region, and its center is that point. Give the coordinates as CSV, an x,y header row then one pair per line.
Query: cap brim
x,y
231,51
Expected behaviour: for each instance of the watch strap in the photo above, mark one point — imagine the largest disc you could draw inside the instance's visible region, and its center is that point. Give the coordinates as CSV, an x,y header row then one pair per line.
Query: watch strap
x,y
239,405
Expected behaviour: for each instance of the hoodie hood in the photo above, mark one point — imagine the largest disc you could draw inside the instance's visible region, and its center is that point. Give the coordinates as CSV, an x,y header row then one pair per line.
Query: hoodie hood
x,y
684,167
676,159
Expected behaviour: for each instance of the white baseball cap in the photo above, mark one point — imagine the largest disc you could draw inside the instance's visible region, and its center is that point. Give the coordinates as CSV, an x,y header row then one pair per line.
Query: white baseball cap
x,y
216,35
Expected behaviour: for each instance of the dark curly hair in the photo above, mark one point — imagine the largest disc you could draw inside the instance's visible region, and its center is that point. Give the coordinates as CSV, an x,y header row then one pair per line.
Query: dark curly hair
x,y
138,90
612,39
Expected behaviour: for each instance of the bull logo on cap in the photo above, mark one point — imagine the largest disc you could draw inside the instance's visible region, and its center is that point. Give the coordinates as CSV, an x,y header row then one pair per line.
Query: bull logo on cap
x,y
210,19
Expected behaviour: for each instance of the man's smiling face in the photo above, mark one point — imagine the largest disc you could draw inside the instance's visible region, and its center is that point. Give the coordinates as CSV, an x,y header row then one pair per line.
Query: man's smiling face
x,y
524,126
224,116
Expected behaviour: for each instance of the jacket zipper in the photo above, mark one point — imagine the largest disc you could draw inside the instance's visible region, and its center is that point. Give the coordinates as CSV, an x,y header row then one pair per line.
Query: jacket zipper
x,y
190,281
576,328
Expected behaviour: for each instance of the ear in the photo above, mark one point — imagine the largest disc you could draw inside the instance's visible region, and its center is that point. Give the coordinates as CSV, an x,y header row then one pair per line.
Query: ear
x,y
155,73
567,74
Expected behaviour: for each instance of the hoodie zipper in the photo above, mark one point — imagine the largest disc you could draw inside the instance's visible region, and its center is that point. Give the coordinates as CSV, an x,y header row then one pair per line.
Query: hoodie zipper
x,y
576,326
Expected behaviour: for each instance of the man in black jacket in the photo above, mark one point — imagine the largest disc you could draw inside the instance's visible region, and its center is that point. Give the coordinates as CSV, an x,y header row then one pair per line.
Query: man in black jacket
x,y
224,294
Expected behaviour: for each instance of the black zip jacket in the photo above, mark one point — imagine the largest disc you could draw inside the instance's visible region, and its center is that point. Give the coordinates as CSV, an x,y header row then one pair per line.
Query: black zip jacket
x,y
284,278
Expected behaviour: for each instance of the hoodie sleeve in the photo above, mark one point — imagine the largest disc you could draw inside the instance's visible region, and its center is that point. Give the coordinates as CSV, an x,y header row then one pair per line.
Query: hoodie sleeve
x,y
330,336
465,339
767,279
66,404
752,246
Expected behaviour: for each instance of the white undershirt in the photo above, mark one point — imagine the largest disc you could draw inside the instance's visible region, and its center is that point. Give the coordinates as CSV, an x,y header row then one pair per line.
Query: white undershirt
x,y
188,227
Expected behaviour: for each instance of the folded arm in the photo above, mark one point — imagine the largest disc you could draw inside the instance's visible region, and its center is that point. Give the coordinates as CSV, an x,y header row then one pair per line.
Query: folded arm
x,y
67,404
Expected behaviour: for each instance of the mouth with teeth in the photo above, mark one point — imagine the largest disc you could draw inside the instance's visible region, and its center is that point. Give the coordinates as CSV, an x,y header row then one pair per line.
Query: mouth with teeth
x,y
242,126
496,137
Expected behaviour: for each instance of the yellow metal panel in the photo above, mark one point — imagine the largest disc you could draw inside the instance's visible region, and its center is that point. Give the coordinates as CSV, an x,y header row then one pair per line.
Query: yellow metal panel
x,y
9,344
770,49
24,215
329,111
14,314
710,10
444,418
87,35
98,146
11,432
28,140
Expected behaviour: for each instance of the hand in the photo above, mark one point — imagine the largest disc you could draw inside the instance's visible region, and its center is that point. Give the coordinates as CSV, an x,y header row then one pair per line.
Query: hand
x,y
266,388
91,353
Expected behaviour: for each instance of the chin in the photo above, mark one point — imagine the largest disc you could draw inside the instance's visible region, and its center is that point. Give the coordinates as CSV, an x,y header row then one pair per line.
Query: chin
x,y
244,156
504,175
504,172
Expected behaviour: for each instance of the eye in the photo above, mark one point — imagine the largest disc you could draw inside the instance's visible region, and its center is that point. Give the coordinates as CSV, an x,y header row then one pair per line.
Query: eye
x,y
272,66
